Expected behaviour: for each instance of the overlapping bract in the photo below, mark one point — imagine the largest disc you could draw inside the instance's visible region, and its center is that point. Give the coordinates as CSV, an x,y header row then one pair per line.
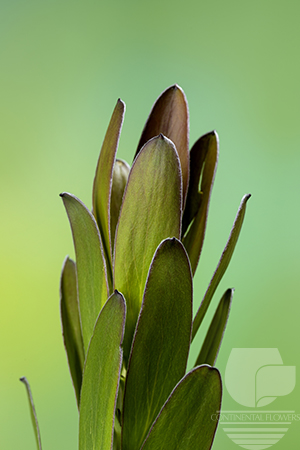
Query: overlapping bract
x,y
138,251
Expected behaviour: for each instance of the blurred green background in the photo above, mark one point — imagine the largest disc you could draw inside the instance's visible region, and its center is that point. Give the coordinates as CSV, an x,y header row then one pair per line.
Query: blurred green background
x,y
63,66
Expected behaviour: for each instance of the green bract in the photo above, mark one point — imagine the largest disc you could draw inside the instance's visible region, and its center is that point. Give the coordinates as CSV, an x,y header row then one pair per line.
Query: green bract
x,y
126,304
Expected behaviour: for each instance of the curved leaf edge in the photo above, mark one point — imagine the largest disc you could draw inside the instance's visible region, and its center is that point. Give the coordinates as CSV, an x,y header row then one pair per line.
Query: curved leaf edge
x,y
158,250
120,355
210,343
222,264
67,194
81,357
136,332
107,250
33,413
200,219
142,150
190,373
171,89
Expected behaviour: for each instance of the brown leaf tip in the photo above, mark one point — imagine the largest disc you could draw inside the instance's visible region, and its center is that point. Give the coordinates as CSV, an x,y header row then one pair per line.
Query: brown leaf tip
x,y
120,102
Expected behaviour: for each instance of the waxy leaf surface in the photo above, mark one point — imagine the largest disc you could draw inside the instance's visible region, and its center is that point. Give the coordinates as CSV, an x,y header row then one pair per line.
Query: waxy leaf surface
x,y
33,414
71,326
161,343
150,212
103,182
170,117
91,270
193,240
101,377
222,264
119,181
211,345
186,420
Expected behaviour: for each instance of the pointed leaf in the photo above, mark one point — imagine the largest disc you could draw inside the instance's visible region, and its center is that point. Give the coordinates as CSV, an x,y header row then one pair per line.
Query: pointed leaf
x,y
33,414
170,117
193,240
211,345
103,182
186,420
161,343
71,326
222,264
91,270
151,212
101,377
119,181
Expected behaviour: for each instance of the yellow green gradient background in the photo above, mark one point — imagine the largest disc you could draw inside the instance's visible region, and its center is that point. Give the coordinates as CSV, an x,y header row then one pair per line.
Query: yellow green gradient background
x,y
63,66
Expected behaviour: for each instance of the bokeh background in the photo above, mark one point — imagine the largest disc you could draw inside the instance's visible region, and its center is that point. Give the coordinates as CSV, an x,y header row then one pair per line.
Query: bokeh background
x,y
63,66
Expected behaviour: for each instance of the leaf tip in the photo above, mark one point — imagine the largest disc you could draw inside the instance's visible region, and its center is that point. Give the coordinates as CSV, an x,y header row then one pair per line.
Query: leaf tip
x,y
175,87
215,135
121,103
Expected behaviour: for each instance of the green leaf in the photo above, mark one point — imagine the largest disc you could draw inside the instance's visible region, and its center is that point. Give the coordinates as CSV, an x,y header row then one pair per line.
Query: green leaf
x,y
161,343
71,326
101,377
33,414
188,419
119,181
103,182
222,265
91,270
150,212
206,147
170,117
197,159
211,345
